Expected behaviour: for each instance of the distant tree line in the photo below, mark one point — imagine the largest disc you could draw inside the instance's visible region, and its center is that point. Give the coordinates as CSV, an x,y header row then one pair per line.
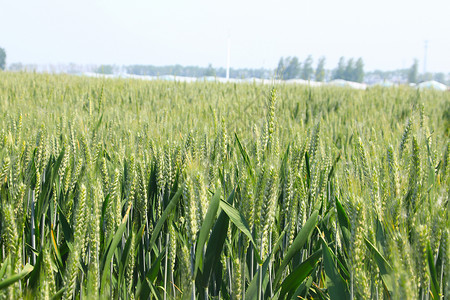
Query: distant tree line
x,y
410,75
291,68
196,71
350,70
288,68
415,77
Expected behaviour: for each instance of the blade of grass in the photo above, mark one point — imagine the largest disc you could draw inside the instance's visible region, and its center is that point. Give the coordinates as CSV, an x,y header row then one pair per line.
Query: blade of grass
x,y
173,202
434,281
14,278
205,229
384,267
335,284
297,244
252,290
239,220
296,277
215,247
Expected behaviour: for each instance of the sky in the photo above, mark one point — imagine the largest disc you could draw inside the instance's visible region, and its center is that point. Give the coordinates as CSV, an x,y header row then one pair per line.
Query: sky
x,y
387,34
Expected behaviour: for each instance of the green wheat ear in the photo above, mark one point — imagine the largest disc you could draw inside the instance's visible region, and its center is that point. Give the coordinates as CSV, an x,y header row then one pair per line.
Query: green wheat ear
x,y
115,204
105,176
268,208
405,137
78,249
5,170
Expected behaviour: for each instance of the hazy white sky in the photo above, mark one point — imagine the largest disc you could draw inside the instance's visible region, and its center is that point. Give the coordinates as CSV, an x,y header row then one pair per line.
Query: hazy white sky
x,y
387,34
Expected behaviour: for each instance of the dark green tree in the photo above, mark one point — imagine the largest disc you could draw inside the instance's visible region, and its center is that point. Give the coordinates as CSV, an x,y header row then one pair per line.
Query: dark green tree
x,y
288,68
359,70
413,72
349,73
292,68
320,70
307,70
2,59
339,72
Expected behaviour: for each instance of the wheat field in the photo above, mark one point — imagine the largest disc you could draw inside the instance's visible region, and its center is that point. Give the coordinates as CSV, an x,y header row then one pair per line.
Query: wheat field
x,y
128,189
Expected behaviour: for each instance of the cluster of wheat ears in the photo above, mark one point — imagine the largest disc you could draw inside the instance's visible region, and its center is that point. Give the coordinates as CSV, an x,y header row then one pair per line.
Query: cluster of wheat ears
x,y
130,189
